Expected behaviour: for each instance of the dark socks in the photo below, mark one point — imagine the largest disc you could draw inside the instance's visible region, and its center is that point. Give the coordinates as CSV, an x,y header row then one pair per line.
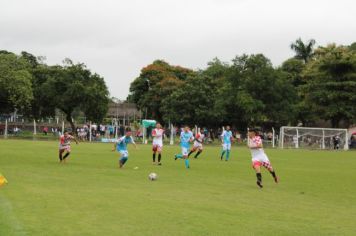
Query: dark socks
x,y
154,157
259,180
60,157
198,153
274,176
259,177
159,157
66,155
190,153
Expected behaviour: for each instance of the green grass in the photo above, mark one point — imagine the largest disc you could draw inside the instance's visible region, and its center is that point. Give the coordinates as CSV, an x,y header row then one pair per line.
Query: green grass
x,y
91,196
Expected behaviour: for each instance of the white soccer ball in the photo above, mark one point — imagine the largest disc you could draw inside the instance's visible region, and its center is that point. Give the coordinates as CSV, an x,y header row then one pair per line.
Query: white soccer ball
x,y
152,176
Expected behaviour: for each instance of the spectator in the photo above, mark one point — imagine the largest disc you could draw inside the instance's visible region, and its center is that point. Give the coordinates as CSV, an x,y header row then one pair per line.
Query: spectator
x,y
238,137
336,140
45,130
16,130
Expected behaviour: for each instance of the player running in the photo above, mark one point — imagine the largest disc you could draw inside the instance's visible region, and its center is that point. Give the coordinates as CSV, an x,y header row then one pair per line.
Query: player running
x,y
198,144
64,146
157,143
121,147
259,158
186,136
226,138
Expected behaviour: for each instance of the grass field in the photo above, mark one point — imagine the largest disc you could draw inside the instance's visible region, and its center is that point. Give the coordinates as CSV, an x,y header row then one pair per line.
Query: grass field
x,y
91,196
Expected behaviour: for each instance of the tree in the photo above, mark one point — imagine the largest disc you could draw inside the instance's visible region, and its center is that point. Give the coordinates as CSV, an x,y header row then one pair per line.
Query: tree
x,y
304,51
294,68
155,82
331,84
353,46
15,83
192,103
72,88
44,103
31,59
256,94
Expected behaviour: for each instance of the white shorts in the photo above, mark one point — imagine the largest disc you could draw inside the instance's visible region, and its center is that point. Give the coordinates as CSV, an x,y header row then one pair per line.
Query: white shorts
x,y
226,146
198,145
157,143
185,151
157,146
124,153
64,148
261,157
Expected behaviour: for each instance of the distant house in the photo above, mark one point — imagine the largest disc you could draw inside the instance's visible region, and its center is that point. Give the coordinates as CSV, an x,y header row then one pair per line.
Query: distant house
x,y
122,110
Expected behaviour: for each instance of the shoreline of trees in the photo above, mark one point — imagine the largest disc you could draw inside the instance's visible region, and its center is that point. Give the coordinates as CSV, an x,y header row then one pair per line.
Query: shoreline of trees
x,y
316,84
36,90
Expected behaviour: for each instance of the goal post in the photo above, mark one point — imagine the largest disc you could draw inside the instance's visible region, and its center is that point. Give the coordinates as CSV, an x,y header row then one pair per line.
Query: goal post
x,y
312,138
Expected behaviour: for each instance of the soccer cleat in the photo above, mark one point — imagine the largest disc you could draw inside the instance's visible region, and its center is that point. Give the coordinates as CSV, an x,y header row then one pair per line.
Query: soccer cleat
x,y
259,184
175,157
159,163
276,179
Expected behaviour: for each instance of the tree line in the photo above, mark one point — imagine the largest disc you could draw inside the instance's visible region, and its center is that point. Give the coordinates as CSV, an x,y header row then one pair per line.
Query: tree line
x,y
31,87
316,84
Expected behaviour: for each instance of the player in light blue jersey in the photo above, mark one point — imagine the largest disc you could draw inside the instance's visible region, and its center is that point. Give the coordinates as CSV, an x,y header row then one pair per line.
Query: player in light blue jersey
x,y
186,137
121,147
226,138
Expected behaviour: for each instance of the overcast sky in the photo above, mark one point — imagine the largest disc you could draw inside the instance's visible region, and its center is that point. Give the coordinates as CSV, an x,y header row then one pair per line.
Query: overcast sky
x,y
117,38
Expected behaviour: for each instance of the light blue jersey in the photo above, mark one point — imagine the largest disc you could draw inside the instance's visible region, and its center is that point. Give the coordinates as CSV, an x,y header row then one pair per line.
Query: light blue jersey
x,y
122,143
185,138
226,136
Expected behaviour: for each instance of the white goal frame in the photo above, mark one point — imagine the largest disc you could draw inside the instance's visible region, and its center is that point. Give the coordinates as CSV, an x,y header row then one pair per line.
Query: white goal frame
x,y
323,134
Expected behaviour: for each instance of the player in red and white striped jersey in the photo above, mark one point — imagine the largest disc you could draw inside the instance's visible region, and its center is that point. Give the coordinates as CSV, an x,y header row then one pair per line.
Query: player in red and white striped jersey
x,y
157,143
259,157
198,144
64,145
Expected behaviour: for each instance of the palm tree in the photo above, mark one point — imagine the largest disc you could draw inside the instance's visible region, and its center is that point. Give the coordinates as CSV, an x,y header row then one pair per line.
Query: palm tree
x,y
303,51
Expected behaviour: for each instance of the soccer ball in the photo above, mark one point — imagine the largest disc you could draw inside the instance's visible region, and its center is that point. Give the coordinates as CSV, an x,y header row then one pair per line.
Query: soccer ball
x,y
152,176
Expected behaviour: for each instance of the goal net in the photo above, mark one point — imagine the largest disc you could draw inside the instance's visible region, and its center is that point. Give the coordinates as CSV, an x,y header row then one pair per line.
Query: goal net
x,y
313,138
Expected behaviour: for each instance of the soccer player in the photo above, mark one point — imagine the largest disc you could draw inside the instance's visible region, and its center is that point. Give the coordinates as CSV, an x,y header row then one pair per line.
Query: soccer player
x,y
226,138
157,143
186,136
64,146
121,147
259,158
198,144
